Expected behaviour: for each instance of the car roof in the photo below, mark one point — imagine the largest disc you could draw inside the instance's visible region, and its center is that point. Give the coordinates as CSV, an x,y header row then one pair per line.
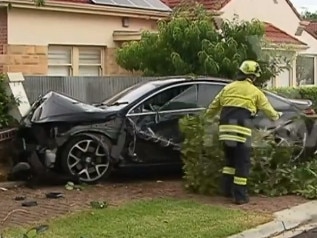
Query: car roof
x,y
164,81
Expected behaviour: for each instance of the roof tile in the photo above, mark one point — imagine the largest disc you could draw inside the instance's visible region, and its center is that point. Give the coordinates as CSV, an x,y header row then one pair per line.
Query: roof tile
x,y
278,36
208,4
312,28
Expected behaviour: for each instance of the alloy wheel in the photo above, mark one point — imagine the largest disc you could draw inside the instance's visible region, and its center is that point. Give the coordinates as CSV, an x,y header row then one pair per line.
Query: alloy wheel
x,y
88,159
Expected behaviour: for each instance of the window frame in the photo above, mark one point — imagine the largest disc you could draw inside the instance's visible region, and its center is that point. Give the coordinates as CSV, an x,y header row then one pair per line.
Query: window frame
x,y
75,61
314,57
69,65
99,65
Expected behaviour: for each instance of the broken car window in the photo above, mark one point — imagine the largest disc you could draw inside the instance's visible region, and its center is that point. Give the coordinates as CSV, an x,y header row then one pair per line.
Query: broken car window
x,y
154,103
207,93
185,100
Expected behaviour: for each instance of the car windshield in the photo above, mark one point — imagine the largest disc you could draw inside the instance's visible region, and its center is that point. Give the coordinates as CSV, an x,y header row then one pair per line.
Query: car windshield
x,y
130,94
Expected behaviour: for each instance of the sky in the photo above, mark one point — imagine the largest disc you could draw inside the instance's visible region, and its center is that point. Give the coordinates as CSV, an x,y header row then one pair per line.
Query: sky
x,y
301,5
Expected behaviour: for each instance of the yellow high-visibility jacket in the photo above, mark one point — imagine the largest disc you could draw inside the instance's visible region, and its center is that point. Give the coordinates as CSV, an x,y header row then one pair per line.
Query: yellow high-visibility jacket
x,y
239,101
243,94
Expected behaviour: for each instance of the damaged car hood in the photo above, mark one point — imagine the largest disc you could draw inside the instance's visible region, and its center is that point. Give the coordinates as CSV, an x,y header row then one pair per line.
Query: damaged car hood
x,y
56,107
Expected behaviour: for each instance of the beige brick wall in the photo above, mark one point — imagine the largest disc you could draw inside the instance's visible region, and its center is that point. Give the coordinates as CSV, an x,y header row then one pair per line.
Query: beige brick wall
x,y
112,68
28,59
33,60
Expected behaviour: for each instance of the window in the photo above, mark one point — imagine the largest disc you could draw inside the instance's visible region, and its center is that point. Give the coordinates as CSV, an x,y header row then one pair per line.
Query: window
x,y
75,61
185,100
89,62
59,61
207,93
131,94
305,70
161,100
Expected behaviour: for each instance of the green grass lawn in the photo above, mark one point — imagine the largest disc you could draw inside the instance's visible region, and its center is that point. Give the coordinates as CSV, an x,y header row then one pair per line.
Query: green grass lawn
x,y
157,218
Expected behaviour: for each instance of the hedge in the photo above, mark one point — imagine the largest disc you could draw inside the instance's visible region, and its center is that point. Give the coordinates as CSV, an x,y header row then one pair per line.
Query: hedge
x,y
273,172
7,101
303,92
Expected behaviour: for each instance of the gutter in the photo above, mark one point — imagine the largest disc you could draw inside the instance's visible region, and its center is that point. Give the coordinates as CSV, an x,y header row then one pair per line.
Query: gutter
x,y
87,9
285,47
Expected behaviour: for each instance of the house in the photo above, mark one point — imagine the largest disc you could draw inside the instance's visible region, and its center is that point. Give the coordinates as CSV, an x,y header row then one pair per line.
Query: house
x,y
284,25
71,37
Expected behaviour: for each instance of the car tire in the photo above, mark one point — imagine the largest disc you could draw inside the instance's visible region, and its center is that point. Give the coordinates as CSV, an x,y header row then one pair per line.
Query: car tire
x,y
83,154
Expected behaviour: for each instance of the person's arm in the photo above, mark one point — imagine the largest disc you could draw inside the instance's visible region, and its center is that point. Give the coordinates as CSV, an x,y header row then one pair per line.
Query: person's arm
x,y
264,105
214,106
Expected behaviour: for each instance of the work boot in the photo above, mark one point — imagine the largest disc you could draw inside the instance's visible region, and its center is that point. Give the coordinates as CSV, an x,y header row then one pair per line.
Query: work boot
x,y
240,194
241,202
227,183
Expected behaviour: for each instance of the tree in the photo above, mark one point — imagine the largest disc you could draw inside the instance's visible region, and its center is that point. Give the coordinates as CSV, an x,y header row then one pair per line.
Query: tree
x,y
189,43
311,16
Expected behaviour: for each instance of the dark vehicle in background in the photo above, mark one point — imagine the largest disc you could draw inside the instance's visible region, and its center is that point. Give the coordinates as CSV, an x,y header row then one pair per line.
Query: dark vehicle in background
x,y
138,126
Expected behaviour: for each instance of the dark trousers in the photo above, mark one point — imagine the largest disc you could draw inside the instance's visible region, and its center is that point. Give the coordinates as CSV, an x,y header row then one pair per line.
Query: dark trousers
x,y
236,169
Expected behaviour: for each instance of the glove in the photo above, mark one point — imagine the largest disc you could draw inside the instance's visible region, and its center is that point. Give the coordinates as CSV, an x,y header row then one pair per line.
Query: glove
x,y
280,114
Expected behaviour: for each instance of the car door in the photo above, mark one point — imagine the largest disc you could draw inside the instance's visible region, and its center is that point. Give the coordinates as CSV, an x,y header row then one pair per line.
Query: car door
x,y
150,142
192,101
169,114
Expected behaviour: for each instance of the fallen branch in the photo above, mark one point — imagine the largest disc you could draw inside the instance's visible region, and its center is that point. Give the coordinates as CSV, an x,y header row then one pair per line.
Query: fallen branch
x,y
10,213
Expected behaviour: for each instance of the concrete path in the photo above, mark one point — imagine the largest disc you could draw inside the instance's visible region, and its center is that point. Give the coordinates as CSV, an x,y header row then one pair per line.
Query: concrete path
x,y
288,223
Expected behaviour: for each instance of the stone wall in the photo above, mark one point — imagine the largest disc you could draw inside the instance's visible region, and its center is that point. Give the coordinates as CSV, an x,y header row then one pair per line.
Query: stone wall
x,y
28,59
111,66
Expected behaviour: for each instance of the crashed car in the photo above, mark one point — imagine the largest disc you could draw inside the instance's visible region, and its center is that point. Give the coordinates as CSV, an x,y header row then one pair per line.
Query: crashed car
x,y
138,126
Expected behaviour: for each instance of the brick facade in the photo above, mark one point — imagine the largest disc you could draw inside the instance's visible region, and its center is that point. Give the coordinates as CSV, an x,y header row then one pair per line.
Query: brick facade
x,y
27,59
3,32
111,66
33,60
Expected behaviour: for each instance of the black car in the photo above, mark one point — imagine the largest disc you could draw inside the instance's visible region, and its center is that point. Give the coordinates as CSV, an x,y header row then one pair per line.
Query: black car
x,y
135,127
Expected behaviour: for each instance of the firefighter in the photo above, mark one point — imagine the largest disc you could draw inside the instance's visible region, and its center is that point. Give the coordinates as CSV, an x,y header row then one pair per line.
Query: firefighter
x,y
239,102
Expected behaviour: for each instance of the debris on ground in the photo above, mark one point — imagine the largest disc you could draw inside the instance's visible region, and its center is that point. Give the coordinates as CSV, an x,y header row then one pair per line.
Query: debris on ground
x,y
29,204
20,198
34,231
10,213
72,186
115,193
98,204
54,195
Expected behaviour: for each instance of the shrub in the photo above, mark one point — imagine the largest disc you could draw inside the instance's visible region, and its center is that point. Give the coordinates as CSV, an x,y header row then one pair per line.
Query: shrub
x,y
306,92
6,103
272,173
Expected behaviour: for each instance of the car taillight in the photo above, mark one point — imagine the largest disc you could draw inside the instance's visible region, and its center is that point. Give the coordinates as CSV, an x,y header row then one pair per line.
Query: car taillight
x,y
309,111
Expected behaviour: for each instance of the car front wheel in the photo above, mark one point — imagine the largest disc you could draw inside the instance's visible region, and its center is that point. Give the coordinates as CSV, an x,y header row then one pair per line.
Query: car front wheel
x,y
88,157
